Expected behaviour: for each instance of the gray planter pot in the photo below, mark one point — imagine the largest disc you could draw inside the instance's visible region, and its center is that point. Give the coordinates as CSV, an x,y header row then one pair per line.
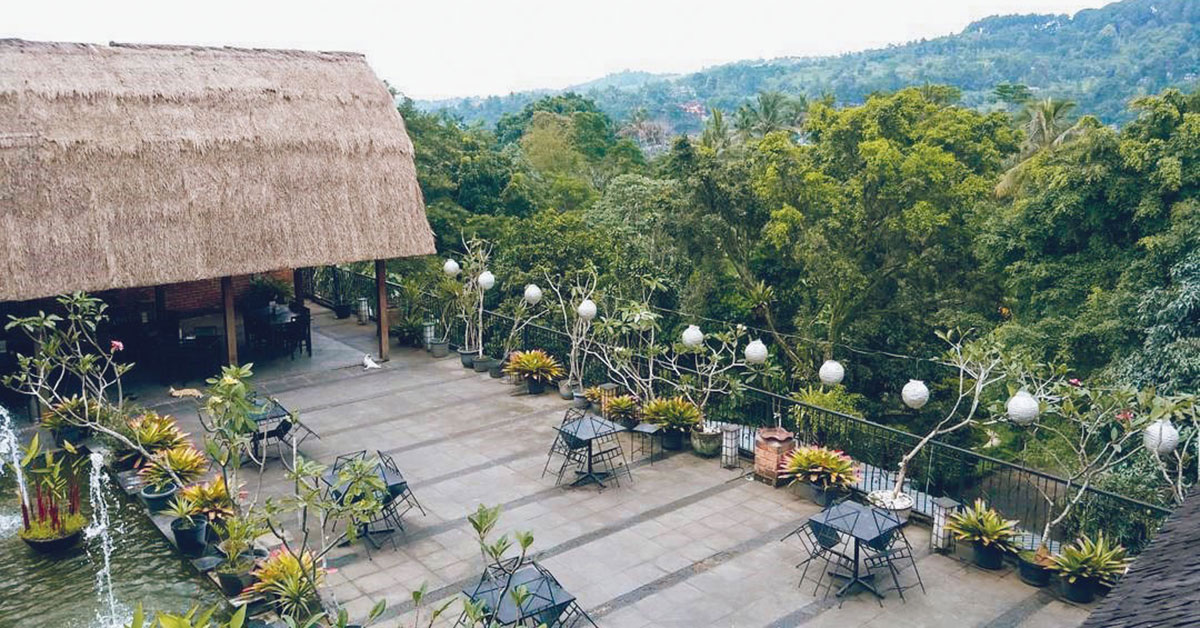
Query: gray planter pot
x,y
440,349
483,364
467,356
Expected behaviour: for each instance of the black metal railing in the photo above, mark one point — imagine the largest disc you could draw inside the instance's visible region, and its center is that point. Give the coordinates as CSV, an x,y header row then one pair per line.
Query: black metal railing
x,y
939,470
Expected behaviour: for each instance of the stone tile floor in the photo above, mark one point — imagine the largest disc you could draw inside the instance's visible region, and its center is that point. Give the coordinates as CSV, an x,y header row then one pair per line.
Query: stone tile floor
x,y
686,544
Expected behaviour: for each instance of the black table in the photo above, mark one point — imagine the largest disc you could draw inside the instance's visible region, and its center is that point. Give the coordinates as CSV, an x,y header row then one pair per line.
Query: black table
x,y
587,429
864,524
546,596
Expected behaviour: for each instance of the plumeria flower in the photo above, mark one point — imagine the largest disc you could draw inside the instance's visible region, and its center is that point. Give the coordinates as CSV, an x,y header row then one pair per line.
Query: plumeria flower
x,y
1075,382
117,345
1125,415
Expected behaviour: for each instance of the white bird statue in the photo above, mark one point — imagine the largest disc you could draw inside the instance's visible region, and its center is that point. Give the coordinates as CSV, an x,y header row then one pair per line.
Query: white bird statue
x,y
368,363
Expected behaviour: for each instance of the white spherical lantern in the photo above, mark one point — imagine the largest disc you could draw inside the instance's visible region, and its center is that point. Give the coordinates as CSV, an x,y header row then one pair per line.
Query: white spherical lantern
x,y
1022,408
587,309
486,280
692,337
533,294
831,373
451,268
915,394
1160,437
756,352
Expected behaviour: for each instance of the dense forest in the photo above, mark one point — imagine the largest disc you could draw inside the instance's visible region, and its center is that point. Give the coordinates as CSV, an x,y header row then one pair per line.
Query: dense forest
x,y
860,231
1099,58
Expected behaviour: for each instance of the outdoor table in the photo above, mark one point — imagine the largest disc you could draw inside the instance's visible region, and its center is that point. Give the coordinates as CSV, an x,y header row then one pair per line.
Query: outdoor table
x,y
864,524
272,320
587,429
545,595
337,490
268,419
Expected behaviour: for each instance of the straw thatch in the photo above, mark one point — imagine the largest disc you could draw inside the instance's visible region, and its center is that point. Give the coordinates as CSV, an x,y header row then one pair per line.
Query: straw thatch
x,y
131,165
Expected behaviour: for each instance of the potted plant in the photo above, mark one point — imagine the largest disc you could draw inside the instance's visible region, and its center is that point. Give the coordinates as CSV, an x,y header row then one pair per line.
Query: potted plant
x,y
483,363
623,409
57,419
211,499
991,535
165,470
1087,563
594,396
263,291
238,534
825,473
706,441
536,368
51,521
1036,567
675,416
189,526
288,583
154,432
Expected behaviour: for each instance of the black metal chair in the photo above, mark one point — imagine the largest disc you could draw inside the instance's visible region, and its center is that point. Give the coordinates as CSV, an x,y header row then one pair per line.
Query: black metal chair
x,y
892,552
297,334
825,544
564,445
608,454
397,486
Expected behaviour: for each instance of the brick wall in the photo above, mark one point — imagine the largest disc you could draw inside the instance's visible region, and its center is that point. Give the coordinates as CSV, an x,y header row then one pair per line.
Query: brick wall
x,y
189,296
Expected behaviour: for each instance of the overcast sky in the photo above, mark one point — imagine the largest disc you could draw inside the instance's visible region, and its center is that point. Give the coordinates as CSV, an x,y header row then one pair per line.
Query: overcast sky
x,y
440,48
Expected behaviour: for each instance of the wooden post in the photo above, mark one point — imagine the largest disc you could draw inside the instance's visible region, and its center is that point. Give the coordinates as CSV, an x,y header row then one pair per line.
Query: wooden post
x,y
230,320
298,285
381,307
160,306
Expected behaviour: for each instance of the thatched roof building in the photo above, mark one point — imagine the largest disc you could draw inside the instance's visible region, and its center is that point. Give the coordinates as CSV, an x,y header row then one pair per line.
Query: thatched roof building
x,y
136,165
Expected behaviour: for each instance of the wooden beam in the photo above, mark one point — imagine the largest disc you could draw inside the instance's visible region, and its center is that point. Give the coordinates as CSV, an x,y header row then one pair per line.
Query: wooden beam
x,y
230,320
381,307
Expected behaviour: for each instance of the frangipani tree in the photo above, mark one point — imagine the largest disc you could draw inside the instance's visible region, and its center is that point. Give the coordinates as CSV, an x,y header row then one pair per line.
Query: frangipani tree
x,y
980,366
575,300
476,280
1093,431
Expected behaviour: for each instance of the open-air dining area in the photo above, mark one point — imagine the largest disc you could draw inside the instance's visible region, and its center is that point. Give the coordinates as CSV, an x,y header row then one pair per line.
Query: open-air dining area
x,y
687,542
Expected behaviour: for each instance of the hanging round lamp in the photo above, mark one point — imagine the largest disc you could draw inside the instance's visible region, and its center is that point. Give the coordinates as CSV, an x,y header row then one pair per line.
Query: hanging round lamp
x,y
1022,408
756,352
486,280
915,394
451,268
1160,437
692,337
831,373
586,309
533,294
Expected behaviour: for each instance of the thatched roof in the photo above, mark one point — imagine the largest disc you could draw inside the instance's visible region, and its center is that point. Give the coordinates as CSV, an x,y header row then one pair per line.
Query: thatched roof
x,y
135,165
1162,587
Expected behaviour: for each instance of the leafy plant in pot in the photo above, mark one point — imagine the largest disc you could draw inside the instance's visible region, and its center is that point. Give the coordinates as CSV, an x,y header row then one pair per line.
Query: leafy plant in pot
x,y
189,526
1036,567
623,409
676,416
593,397
166,470
154,432
238,535
1088,562
990,535
212,500
825,473
51,521
536,368
283,578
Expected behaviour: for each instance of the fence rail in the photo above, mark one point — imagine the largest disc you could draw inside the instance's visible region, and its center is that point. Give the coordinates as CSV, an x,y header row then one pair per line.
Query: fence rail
x,y
939,470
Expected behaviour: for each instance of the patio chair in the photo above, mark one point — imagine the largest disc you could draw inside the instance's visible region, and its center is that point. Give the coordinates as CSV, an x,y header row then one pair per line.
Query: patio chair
x,y
824,544
608,454
561,445
893,552
397,486
297,334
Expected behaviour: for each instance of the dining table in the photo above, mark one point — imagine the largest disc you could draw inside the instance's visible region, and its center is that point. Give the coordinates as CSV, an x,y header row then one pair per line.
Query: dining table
x,y
582,432
864,525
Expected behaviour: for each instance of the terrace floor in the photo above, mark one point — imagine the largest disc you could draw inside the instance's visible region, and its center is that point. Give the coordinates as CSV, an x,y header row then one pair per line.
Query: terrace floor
x,y
687,544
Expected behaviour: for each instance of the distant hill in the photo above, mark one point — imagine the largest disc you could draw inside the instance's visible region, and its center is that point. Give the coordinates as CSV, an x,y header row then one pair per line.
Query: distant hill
x,y
1099,58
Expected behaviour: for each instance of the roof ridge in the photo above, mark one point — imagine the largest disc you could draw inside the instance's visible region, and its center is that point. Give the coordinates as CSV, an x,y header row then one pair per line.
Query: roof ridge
x,y
15,42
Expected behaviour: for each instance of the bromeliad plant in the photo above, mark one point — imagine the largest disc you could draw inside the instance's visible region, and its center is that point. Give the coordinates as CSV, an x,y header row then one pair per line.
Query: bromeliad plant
x,y
820,466
154,432
674,415
536,365
984,526
1098,560
621,408
291,580
182,464
211,499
